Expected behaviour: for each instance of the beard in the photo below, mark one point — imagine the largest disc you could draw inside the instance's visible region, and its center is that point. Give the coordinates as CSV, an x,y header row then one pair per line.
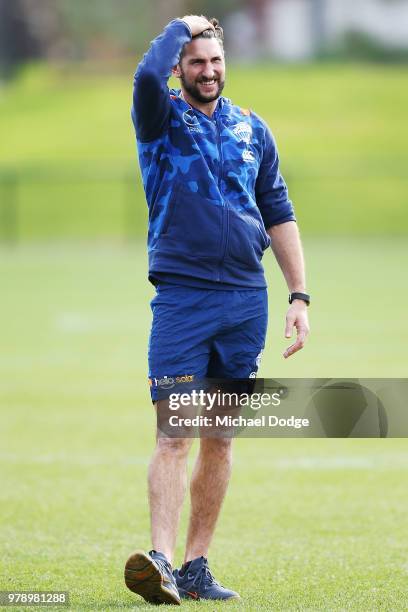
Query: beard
x,y
192,87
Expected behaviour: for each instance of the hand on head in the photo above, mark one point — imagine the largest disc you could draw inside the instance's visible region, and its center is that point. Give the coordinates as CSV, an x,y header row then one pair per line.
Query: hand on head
x,y
197,24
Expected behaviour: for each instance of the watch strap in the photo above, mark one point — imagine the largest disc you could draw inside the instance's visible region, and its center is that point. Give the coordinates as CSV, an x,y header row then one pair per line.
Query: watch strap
x,y
299,296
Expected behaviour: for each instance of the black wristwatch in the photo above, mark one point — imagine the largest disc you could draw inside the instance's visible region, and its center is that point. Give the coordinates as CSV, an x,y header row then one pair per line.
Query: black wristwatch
x,y
299,296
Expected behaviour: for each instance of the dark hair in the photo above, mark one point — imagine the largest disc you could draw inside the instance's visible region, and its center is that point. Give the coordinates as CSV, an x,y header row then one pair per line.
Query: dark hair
x,y
217,33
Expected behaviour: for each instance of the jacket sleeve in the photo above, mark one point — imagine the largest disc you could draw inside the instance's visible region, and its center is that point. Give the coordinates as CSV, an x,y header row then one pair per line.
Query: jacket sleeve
x,y
270,189
151,100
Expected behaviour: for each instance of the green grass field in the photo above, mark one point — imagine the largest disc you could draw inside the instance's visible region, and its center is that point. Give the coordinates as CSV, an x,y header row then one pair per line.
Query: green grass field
x,y
341,130
307,524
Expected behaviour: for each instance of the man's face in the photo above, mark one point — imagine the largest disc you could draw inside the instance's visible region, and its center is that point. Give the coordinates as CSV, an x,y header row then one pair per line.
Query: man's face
x,y
202,69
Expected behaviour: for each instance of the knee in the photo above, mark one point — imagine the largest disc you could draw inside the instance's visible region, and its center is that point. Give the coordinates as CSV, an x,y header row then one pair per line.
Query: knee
x,y
216,447
175,447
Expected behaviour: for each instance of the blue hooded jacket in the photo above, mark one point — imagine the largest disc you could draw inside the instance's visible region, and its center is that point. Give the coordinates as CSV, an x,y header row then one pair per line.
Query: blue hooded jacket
x,y
212,184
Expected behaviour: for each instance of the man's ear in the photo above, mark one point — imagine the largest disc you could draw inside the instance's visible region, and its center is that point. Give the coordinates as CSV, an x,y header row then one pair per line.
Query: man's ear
x,y
176,72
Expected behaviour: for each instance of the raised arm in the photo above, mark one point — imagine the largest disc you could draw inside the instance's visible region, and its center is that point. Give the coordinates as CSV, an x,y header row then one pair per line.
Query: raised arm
x,y
151,101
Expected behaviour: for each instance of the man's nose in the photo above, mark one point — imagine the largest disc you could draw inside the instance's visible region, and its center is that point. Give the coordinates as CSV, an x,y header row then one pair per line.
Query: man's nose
x,y
208,71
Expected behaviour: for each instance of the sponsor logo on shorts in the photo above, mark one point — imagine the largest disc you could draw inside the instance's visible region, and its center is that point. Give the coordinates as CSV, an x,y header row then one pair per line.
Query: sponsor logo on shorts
x,y
257,364
258,359
168,382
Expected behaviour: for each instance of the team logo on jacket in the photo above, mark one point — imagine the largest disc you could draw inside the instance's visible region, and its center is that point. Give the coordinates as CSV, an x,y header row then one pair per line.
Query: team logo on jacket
x,y
243,131
191,120
248,156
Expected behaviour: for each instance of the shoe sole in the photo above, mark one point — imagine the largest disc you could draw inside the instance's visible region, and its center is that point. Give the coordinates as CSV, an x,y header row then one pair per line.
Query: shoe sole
x,y
195,597
143,577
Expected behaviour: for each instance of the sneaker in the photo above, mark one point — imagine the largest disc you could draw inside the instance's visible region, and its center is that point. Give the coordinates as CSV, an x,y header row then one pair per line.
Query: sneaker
x,y
195,581
149,575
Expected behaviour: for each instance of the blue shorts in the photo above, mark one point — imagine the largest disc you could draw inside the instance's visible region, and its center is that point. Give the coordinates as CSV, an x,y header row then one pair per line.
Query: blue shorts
x,y
199,333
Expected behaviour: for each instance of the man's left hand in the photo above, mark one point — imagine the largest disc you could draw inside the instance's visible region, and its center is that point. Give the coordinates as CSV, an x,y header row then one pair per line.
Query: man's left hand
x,y
296,317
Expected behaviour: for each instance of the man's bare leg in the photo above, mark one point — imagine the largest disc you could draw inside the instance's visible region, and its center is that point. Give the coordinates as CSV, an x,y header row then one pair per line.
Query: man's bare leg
x,y
167,487
208,486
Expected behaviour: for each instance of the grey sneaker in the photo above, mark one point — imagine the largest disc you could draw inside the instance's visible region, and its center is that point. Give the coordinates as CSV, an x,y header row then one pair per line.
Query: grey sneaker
x,y
150,576
195,581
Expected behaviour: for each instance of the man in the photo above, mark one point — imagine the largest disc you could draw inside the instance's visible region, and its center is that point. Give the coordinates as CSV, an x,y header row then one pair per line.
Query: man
x,y
216,202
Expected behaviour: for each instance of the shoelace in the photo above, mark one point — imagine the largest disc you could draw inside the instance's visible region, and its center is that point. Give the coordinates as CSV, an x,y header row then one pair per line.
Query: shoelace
x,y
204,575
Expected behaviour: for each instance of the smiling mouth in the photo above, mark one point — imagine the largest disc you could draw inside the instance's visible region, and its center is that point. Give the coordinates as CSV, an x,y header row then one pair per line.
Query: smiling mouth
x,y
208,83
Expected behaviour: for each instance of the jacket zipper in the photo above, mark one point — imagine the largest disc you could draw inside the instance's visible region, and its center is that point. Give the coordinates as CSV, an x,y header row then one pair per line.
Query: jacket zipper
x,y
225,218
